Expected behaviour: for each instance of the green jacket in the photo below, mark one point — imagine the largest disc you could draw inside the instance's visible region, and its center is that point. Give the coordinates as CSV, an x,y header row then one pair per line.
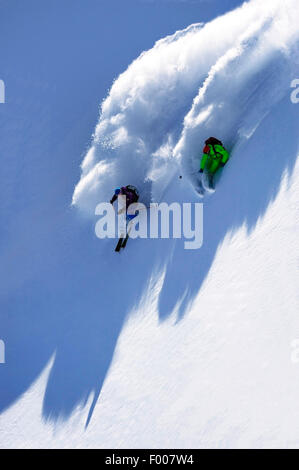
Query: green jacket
x,y
213,158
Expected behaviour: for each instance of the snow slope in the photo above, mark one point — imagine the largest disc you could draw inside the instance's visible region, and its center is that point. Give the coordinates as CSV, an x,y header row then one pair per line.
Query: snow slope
x,y
176,348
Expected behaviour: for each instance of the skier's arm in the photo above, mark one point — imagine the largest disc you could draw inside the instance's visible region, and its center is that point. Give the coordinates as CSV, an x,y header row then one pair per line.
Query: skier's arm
x,y
225,157
114,197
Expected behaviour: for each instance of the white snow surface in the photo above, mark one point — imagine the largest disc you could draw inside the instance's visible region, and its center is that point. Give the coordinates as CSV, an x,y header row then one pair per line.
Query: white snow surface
x,y
204,357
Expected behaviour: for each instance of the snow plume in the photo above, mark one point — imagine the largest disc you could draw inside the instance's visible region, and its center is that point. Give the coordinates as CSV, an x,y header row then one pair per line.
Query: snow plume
x,y
221,79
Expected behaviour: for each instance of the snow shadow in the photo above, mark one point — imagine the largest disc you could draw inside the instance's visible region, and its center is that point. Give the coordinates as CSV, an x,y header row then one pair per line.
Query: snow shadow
x,y
76,310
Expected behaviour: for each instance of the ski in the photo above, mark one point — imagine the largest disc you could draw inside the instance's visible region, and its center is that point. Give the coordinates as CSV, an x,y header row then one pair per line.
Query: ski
x,y
125,241
119,244
205,185
122,241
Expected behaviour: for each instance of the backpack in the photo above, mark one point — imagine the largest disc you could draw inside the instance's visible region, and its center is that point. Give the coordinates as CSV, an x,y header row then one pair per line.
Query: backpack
x,y
131,193
213,141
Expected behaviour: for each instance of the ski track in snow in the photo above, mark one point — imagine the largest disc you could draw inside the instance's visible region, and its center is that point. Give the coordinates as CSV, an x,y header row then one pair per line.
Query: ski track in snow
x,y
196,345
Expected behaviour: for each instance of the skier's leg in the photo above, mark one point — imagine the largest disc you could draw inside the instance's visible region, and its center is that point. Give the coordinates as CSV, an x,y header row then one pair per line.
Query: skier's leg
x,y
130,223
211,180
123,236
211,174
122,241
199,185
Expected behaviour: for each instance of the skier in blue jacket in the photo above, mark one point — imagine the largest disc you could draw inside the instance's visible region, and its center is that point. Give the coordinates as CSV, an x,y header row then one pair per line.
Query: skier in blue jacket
x,y
132,196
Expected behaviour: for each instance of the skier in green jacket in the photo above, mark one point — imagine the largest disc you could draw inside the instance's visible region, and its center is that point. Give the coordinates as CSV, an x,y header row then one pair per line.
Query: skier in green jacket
x,y
214,157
